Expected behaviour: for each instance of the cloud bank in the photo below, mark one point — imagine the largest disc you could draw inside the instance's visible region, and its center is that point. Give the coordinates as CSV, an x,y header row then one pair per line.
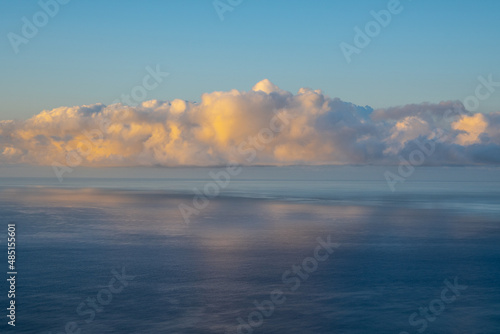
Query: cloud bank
x,y
263,126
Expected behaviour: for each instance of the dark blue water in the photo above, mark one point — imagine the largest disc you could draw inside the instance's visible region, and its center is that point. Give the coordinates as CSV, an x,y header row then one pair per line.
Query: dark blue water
x,y
394,251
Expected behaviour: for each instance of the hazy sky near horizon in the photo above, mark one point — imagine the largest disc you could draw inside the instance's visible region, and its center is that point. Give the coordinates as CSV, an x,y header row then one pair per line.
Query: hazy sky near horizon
x,y
94,51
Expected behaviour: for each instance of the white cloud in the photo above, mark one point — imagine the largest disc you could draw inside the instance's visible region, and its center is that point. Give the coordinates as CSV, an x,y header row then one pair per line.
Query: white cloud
x,y
229,126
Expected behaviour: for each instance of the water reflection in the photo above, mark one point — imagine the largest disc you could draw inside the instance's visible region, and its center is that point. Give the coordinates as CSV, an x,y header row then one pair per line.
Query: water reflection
x,y
199,278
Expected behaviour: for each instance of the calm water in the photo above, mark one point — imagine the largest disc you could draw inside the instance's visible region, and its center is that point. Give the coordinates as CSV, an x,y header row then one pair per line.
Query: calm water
x,y
394,251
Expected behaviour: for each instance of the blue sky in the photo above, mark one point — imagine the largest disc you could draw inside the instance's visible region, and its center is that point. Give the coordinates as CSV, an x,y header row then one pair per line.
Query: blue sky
x,y
93,51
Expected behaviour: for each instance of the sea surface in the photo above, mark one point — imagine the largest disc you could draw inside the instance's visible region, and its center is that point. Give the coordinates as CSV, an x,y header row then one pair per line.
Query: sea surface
x,y
269,250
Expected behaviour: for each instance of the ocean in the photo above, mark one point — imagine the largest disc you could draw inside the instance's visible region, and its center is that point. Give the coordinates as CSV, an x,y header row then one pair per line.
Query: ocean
x,y
319,249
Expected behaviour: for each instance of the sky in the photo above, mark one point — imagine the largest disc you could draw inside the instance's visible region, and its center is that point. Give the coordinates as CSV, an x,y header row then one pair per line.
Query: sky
x,y
206,83
94,51
264,126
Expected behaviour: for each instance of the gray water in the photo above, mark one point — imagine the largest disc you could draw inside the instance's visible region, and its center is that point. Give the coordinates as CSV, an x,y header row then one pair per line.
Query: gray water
x,y
394,251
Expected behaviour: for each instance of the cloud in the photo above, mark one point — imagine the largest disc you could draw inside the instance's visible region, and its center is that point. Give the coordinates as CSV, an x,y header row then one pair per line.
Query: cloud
x,y
471,127
263,126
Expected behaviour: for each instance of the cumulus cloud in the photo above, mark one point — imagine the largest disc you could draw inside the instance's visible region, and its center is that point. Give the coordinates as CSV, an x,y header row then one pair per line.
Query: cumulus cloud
x,y
263,126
